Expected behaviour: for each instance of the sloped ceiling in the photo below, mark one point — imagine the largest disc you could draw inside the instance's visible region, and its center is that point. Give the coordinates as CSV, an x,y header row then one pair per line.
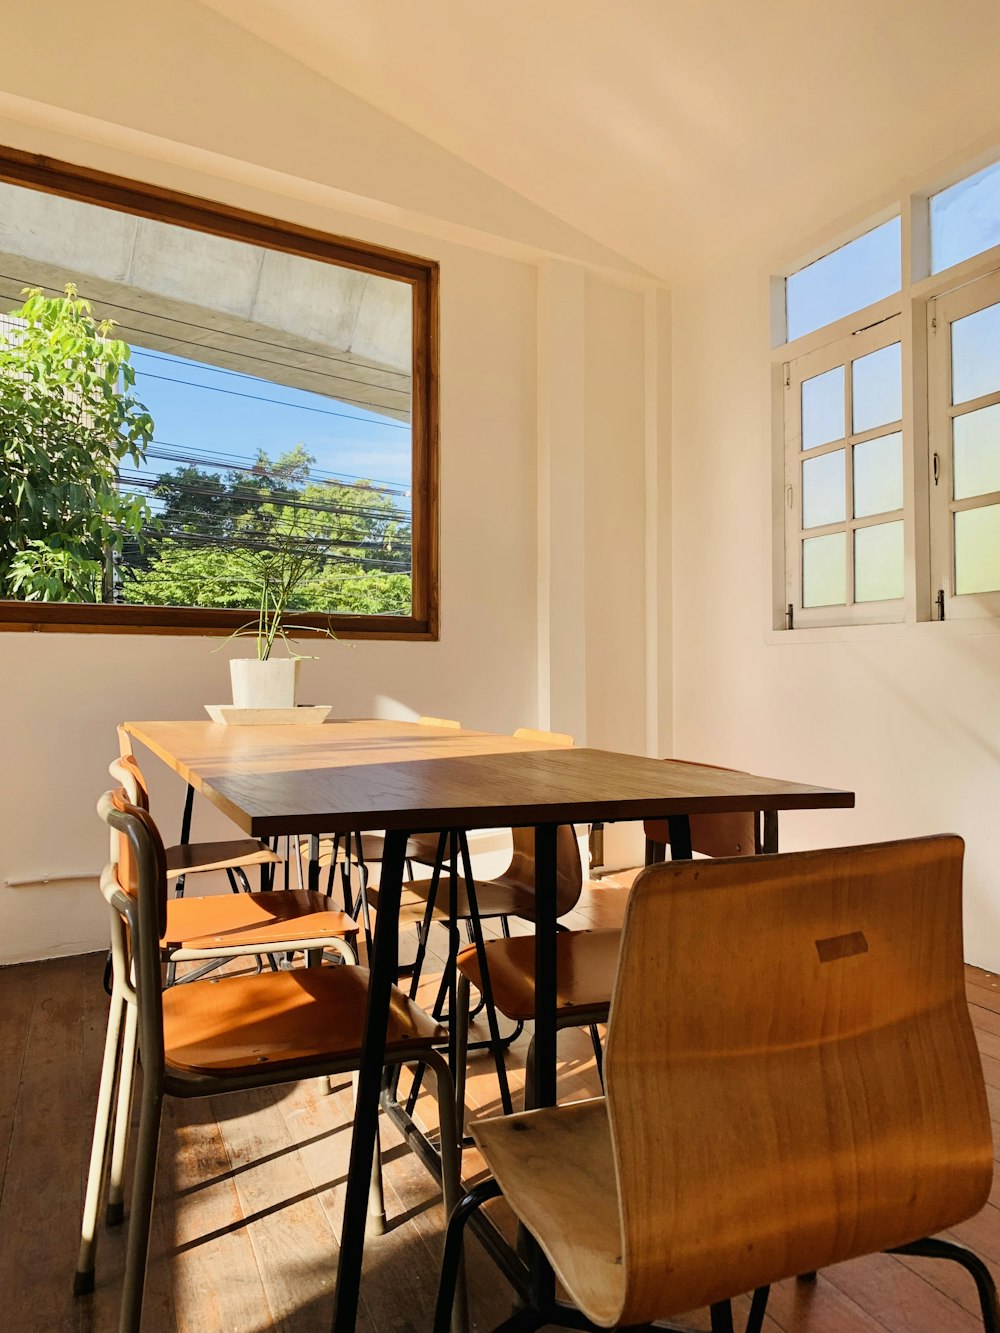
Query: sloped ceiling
x,y
672,131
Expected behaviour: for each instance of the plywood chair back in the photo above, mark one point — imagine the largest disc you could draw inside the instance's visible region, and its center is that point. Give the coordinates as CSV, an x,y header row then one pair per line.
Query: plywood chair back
x,y
792,1076
730,834
520,874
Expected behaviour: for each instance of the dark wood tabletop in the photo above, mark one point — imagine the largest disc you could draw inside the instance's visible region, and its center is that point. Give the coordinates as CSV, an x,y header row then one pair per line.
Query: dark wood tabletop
x,y
370,774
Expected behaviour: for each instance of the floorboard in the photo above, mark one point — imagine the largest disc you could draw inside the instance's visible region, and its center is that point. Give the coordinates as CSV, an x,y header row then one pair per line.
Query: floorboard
x,y
250,1190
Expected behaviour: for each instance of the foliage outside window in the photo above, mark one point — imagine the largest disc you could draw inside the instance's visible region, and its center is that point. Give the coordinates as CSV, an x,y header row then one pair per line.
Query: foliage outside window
x,y
171,437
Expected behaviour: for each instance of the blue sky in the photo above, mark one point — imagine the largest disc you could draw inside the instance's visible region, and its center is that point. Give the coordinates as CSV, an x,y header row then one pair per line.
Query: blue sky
x,y
208,411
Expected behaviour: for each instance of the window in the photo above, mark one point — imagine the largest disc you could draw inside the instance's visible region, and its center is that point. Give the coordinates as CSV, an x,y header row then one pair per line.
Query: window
x,y
189,393
889,403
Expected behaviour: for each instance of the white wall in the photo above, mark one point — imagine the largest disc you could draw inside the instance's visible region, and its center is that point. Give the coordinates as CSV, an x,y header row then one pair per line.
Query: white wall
x,y
909,721
64,693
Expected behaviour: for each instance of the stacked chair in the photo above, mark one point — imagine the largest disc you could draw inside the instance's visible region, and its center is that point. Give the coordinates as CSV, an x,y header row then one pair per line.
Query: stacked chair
x,y
214,1036
760,1121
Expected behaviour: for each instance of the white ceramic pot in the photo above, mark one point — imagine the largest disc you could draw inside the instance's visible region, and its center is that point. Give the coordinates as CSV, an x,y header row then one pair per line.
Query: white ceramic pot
x,y
270,684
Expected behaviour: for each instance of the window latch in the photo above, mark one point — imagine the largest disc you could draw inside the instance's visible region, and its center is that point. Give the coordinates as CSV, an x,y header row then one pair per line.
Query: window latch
x,y
940,603
790,616
937,469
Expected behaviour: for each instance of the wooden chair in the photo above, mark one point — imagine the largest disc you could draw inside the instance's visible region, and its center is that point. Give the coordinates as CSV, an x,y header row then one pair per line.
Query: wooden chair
x,y
760,1122
735,834
218,1036
235,856
587,959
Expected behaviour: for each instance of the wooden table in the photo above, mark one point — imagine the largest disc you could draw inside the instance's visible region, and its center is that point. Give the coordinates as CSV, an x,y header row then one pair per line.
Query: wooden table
x,y
405,778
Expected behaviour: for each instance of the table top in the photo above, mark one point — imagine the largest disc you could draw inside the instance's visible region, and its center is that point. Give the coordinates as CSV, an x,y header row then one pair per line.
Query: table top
x,y
374,774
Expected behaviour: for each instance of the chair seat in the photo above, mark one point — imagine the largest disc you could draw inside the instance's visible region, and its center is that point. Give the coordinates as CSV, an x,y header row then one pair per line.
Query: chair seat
x,y
586,962
241,919
493,898
191,857
231,1026
556,1169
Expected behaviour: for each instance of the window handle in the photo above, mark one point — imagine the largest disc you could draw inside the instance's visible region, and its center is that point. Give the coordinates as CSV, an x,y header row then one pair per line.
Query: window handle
x,y
937,468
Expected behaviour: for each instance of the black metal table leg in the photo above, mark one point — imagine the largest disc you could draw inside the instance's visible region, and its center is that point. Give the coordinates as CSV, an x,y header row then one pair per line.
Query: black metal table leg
x,y
382,976
313,884
680,837
543,1279
770,839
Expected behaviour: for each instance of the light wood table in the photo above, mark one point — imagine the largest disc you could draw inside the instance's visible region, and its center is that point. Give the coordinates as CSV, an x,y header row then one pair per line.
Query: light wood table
x,y
407,778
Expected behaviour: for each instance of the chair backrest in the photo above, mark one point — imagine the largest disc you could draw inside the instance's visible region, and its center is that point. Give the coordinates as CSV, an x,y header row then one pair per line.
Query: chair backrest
x,y
552,737
792,1076
438,722
729,834
126,771
569,868
135,885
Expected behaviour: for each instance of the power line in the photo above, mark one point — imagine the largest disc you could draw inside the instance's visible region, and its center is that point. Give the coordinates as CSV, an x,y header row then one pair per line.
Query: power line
x,y
284,365
235,463
139,481
298,407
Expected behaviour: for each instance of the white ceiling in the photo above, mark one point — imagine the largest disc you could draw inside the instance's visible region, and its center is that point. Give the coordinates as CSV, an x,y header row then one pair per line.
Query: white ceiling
x,y
667,129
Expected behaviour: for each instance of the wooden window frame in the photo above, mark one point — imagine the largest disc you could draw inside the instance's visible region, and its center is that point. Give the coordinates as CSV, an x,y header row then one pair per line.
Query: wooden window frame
x,y
216,219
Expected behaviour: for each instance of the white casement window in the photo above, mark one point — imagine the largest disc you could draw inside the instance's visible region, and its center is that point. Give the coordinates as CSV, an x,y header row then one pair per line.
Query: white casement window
x,y
844,480
887,418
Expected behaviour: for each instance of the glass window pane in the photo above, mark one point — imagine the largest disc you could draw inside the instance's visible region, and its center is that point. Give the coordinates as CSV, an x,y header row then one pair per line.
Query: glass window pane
x,y
823,408
823,490
856,275
877,388
878,475
878,562
975,355
824,570
965,219
976,439
977,550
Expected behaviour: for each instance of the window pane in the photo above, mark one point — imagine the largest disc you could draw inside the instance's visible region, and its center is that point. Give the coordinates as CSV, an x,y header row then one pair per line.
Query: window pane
x,y
823,496
877,388
975,354
824,570
823,408
878,475
878,562
856,275
977,550
965,219
976,437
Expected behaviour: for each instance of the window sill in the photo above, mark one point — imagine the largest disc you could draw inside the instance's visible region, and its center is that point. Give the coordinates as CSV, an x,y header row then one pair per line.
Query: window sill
x,y
922,629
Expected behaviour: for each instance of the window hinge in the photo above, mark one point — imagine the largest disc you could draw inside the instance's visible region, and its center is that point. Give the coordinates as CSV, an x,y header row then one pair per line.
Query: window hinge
x,y
789,496
788,375
937,468
790,616
940,603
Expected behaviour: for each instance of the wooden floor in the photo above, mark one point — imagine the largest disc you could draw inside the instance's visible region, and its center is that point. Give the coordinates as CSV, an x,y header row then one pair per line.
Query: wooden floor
x,y
250,1193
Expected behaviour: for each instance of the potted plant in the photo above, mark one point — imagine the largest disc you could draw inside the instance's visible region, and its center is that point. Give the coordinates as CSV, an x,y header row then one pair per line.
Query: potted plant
x,y
266,681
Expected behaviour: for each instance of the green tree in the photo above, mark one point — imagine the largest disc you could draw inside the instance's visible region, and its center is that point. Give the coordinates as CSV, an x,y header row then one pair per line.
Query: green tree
x,y
68,418
223,538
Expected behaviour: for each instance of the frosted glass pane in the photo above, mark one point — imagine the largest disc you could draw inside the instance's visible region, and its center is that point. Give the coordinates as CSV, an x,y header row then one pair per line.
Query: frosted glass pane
x,y
856,275
824,570
877,388
823,408
878,562
823,487
878,475
977,550
976,439
975,354
965,219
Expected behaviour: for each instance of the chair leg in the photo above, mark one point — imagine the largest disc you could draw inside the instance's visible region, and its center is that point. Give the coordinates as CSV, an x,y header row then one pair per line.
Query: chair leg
x,y
491,1013
934,1248
450,1147
83,1280
365,909
451,1262
758,1308
137,1251
595,1041
115,1212
722,1317
461,1054
376,1222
